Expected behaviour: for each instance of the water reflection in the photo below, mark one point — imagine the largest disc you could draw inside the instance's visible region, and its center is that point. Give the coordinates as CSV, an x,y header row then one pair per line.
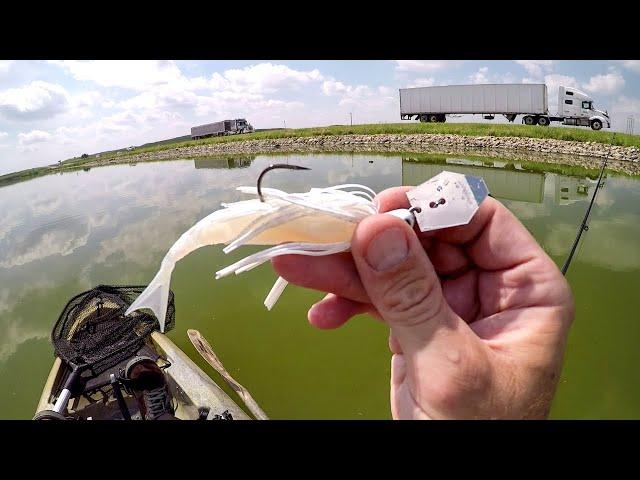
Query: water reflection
x,y
572,189
503,183
231,162
506,181
62,234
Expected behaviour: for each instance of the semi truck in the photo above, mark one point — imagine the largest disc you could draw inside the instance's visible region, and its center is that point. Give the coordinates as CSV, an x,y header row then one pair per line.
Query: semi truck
x,y
433,104
225,127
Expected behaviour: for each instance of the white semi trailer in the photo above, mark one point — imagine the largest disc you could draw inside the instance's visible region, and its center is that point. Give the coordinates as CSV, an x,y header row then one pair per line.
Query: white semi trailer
x,y
433,104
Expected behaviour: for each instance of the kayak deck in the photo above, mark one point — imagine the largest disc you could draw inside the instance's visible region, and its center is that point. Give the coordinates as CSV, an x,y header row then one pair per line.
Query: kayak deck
x,y
190,387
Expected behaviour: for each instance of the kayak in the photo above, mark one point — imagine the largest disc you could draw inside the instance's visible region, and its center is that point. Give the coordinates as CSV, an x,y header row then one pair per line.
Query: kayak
x,y
194,394
98,350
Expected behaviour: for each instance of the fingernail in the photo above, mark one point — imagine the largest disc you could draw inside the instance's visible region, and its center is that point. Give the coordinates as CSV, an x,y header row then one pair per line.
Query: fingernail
x,y
387,249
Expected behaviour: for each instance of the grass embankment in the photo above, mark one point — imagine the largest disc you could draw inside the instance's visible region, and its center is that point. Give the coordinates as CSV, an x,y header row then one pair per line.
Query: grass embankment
x,y
11,178
467,129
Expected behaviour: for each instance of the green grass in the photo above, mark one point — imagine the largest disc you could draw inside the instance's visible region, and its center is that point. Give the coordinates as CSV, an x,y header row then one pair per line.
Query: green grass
x,y
469,129
11,178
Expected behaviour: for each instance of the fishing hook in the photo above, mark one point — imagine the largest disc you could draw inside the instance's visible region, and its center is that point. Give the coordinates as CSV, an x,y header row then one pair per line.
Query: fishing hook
x,y
273,167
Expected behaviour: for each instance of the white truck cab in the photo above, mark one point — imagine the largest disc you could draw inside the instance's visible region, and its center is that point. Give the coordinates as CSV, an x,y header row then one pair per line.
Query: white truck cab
x,y
242,126
577,109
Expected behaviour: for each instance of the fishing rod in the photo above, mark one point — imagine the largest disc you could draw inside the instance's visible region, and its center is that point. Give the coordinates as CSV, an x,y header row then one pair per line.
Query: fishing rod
x,y
584,227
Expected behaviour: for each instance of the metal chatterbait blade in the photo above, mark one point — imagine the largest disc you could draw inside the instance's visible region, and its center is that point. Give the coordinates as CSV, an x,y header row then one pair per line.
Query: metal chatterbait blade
x,y
447,200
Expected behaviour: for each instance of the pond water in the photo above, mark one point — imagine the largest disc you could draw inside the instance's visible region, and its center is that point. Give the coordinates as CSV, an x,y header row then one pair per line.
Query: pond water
x,y
63,234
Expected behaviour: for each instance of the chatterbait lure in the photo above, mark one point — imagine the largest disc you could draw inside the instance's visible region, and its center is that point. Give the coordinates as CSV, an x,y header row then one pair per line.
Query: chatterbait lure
x,y
318,222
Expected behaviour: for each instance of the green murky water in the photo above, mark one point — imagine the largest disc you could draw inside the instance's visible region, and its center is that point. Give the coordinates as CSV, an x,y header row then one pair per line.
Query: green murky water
x,y
63,234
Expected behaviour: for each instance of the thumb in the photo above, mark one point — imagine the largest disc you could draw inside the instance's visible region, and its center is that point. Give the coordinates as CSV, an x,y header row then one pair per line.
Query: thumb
x,y
404,287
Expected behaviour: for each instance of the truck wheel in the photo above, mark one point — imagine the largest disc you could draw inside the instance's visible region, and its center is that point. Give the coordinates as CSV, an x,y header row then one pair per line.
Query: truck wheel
x,y
433,118
544,121
423,118
529,120
442,118
596,124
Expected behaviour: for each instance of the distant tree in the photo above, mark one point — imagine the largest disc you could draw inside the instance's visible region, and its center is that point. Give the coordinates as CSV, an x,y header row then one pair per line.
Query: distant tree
x,y
84,155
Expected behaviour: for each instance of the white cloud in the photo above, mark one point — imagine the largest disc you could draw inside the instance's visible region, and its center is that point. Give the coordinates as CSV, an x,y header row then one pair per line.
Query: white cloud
x,y
147,74
131,74
268,78
3,134
369,104
480,76
423,82
88,99
172,103
483,76
34,136
37,100
425,65
362,95
333,87
164,102
609,83
627,105
623,108
555,80
537,68
4,65
235,92
351,93
632,65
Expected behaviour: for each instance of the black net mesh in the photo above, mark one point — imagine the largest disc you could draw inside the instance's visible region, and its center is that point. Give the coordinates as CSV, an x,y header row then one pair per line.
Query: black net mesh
x,y
92,332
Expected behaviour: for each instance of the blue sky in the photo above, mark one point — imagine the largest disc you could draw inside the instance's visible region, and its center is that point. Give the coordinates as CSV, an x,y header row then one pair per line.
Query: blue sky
x,y
54,110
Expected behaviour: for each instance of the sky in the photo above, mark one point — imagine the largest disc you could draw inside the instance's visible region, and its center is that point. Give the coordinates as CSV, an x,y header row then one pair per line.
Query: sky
x,y
54,110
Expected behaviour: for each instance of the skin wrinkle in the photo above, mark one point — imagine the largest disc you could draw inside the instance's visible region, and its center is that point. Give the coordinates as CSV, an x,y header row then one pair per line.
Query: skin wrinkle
x,y
469,267
488,327
461,301
468,386
508,346
447,258
502,289
525,286
407,294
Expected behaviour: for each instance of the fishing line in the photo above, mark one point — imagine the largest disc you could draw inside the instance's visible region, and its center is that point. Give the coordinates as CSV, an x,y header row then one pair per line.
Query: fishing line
x,y
584,227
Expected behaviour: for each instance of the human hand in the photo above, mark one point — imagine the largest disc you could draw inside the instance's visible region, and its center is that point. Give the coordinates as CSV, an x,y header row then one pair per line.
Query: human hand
x,y
478,314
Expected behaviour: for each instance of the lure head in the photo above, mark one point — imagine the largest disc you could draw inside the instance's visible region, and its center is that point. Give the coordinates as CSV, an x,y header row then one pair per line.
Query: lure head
x,y
447,200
